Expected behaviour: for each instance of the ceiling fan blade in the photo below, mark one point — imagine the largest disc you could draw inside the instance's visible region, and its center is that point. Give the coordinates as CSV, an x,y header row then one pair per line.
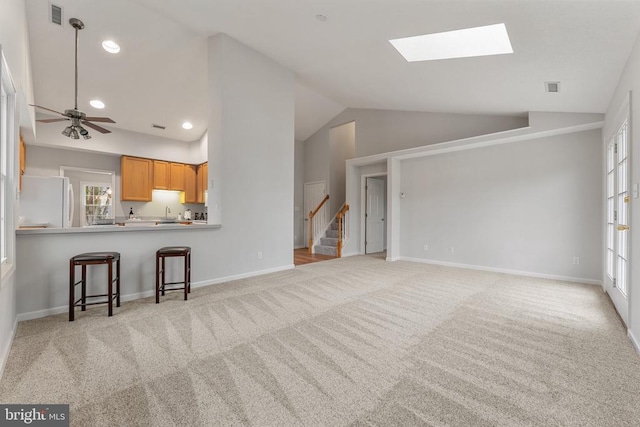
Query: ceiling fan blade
x,y
96,127
99,119
48,109
51,120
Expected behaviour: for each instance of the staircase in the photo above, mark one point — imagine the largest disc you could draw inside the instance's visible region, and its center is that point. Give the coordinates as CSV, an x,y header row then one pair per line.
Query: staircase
x,y
329,242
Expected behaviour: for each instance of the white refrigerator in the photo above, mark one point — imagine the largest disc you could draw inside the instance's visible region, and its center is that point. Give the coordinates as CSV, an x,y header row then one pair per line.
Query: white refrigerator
x,y
46,201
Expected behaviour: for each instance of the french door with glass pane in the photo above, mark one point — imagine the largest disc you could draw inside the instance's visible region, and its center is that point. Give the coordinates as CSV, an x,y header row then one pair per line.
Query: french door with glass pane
x,y
617,251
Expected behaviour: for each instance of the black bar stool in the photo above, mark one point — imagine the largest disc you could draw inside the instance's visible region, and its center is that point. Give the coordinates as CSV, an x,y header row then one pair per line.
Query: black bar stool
x,y
169,252
93,258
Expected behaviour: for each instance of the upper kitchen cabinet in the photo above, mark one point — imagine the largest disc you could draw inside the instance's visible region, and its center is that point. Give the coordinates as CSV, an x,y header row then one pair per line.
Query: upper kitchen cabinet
x,y
23,159
177,181
190,194
202,182
168,176
161,175
137,179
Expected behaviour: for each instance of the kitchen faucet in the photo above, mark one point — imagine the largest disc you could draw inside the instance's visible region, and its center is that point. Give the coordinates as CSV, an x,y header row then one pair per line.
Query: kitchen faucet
x,y
167,211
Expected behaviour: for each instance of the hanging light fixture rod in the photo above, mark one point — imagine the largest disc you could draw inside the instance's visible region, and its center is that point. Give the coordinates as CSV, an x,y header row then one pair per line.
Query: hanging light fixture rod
x,y
78,25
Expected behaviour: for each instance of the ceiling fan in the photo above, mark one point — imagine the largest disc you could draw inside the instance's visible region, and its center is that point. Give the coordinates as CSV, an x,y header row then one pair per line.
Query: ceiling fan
x,y
77,117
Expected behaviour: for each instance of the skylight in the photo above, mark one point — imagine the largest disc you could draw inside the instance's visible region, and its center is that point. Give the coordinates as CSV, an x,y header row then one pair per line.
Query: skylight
x,y
478,41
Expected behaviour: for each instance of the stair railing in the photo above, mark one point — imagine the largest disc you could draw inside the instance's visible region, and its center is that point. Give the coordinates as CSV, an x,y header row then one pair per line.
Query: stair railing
x,y
317,223
343,227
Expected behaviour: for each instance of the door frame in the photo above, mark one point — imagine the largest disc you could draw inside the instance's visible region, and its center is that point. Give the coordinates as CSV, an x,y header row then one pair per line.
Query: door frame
x,y
621,302
363,203
305,218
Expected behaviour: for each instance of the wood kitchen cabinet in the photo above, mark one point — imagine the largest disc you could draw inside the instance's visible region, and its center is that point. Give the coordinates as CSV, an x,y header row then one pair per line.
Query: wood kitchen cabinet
x,y
136,179
161,175
189,195
23,159
177,181
168,176
202,180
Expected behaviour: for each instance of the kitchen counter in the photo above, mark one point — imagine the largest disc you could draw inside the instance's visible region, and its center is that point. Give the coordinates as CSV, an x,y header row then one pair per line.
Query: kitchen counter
x,y
118,228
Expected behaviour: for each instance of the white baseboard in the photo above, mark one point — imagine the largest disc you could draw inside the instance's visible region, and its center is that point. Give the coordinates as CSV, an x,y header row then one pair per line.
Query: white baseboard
x,y
346,254
241,276
504,271
299,247
5,354
395,258
131,297
634,341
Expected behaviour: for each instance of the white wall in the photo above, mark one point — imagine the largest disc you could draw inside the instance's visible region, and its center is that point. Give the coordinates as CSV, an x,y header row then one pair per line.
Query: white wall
x,y
298,209
199,150
528,206
341,148
383,131
122,142
317,159
630,82
251,159
372,132
14,41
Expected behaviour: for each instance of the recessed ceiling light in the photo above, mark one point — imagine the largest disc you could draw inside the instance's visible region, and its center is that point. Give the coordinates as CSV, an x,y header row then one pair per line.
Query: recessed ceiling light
x,y
96,103
187,125
478,41
321,18
111,46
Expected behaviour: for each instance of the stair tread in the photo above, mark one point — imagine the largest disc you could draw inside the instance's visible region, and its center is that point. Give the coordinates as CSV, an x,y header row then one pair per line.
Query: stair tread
x,y
326,250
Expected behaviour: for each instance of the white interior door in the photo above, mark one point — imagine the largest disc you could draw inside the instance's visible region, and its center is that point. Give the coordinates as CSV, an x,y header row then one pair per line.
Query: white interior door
x,y
314,192
617,250
375,212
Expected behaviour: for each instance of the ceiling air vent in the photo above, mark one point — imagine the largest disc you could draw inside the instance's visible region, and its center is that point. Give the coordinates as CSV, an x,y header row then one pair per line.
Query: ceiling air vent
x,y
153,125
55,13
552,87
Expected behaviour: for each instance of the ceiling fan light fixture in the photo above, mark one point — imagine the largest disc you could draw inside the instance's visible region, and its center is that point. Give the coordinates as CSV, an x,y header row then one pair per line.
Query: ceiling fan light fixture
x,y
84,132
111,46
75,115
96,103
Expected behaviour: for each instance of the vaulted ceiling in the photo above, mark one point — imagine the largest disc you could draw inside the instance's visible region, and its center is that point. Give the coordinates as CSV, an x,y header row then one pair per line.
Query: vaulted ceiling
x,y
345,61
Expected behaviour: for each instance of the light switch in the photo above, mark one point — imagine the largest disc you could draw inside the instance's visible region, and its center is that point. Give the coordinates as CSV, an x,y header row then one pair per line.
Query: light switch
x,y
635,190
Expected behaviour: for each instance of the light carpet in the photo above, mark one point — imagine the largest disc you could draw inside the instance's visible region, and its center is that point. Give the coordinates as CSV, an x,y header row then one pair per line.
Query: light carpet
x,y
352,341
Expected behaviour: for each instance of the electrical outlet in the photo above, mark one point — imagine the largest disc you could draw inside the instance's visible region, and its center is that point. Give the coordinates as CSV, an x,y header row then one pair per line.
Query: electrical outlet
x,y
259,254
576,260
450,250
426,247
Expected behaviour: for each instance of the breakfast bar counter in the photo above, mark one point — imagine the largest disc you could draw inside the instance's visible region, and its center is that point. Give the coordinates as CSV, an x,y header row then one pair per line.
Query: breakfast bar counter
x,y
116,228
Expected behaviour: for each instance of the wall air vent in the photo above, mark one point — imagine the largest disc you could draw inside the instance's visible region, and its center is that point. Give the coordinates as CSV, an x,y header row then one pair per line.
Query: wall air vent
x,y
55,14
153,125
552,87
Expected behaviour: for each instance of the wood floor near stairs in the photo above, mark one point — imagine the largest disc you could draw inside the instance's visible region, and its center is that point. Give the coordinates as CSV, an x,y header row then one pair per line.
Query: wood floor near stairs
x,y
301,256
